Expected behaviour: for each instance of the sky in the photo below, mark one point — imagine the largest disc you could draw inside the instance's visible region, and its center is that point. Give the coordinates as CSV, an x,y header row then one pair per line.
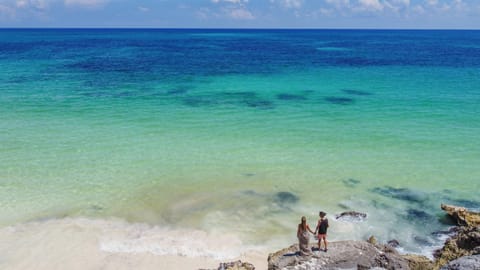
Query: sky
x,y
392,14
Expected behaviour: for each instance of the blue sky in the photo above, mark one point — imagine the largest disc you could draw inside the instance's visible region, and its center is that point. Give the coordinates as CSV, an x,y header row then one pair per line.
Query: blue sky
x,y
242,13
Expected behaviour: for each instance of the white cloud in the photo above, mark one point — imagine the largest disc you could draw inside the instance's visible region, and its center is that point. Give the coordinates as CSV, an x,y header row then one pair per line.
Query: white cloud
x,y
22,3
370,5
241,14
346,7
203,13
296,4
35,4
231,1
419,9
86,3
6,12
143,9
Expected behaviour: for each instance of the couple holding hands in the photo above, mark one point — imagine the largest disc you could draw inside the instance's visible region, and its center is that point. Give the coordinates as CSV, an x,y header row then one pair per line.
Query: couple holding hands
x,y
304,237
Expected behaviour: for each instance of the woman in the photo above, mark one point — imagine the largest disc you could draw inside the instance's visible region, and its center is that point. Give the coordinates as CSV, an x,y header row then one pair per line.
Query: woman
x,y
303,237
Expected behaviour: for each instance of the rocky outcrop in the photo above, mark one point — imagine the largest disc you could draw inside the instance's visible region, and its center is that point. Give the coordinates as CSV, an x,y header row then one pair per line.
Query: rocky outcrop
x,y
238,265
461,215
418,262
340,255
464,263
465,243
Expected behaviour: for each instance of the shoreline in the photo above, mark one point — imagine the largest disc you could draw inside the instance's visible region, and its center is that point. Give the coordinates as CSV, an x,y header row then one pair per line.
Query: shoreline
x,y
62,243
83,243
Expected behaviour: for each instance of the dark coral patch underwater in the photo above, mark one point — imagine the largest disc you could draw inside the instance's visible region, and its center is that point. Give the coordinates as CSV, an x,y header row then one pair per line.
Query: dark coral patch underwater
x,y
340,100
404,194
290,97
356,92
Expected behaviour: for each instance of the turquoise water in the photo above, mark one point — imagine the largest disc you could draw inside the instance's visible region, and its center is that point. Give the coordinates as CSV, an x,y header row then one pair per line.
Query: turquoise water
x,y
245,129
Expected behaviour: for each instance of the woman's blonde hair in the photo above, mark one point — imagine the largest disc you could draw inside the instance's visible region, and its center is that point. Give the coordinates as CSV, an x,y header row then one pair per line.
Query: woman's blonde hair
x,y
303,223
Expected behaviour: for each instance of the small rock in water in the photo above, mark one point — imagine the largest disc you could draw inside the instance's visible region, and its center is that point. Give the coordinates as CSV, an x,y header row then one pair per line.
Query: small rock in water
x,y
422,241
351,216
393,243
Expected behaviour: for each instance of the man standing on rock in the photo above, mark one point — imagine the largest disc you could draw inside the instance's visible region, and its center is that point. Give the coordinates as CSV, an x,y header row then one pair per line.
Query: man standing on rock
x,y
322,227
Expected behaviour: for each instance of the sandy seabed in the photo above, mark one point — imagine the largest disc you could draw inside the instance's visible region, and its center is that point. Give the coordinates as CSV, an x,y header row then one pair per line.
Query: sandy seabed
x,y
82,243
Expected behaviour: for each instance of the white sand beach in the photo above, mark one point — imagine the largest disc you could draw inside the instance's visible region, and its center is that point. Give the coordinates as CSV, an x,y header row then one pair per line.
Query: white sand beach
x,y
81,243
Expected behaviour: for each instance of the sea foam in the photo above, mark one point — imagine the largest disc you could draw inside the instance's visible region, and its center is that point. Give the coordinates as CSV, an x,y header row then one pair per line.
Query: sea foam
x,y
65,242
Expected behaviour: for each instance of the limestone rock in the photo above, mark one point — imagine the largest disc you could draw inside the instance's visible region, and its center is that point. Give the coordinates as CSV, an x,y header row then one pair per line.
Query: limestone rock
x,y
372,240
340,255
418,262
464,263
465,243
238,265
461,215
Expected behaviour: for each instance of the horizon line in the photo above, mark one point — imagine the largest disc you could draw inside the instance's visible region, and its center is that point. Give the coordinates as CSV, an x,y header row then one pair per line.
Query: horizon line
x,y
239,28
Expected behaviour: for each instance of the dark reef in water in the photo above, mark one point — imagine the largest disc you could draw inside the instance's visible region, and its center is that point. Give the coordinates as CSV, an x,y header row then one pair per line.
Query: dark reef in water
x,y
285,197
259,104
401,194
177,91
351,182
340,100
198,101
112,64
243,99
356,92
421,216
290,97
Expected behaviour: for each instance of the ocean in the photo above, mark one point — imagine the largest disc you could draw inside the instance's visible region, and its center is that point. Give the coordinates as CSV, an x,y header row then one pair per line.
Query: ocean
x,y
240,132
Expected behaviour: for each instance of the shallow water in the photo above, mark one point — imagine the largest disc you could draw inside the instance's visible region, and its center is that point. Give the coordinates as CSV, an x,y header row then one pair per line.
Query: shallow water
x,y
241,131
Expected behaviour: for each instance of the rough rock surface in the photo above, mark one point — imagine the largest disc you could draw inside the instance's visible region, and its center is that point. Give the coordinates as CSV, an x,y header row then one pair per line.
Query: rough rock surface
x,y
238,265
351,215
340,255
418,262
465,243
461,215
464,263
